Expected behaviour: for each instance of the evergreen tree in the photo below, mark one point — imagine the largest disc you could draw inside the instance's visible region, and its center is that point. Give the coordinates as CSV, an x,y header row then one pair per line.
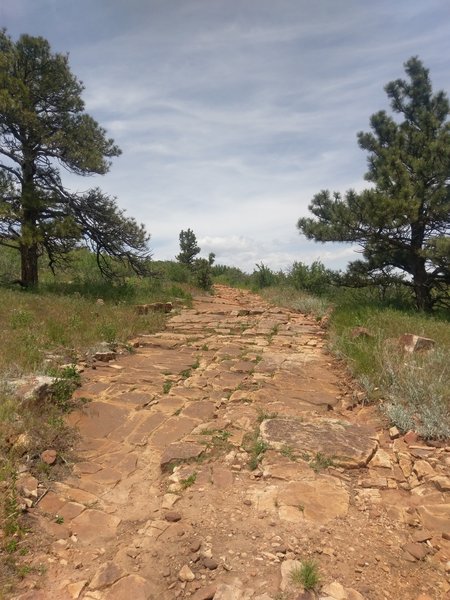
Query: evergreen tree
x,y
188,247
43,126
402,222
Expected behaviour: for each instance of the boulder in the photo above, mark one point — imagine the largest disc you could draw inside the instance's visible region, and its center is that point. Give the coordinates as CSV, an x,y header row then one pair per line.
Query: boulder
x,y
415,343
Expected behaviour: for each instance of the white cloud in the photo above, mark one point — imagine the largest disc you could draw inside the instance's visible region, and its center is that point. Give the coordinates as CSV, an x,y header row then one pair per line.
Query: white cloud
x,y
233,114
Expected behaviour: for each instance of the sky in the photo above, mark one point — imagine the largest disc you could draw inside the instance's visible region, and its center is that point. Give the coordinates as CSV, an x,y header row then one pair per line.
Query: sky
x,y
232,114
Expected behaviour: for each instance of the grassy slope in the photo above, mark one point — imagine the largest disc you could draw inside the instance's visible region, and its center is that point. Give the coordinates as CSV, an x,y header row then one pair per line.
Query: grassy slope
x,y
58,324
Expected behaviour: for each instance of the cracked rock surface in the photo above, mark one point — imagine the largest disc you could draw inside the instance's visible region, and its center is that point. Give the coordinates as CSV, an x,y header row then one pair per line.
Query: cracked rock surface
x,y
223,453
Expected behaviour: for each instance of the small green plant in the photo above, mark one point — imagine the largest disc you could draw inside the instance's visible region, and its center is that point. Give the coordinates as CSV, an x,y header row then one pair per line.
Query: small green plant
x,y
167,385
256,449
23,571
178,412
59,519
320,462
288,452
263,415
186,373
185,483
307,575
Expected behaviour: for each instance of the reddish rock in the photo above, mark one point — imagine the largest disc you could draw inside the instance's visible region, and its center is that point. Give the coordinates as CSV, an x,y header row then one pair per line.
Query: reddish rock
x,y
206,593
179,452
49,456
410,437
418,551
105,356
210,563
95,526
132,586
349,445
415,343
106,575
422,535
172,516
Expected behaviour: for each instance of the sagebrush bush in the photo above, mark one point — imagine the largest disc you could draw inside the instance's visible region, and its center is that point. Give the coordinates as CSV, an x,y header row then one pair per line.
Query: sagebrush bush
x,y
417,391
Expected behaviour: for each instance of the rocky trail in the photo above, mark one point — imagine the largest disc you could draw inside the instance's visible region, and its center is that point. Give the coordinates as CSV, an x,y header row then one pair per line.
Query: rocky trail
x,y
224,452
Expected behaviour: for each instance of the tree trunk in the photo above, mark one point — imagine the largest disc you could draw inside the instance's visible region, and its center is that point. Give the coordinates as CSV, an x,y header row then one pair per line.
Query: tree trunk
x,y
29,249
29,261
422,289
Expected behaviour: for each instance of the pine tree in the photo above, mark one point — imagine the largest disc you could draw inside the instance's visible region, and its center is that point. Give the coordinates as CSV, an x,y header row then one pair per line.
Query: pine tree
x,y
401,222
43,126
188,247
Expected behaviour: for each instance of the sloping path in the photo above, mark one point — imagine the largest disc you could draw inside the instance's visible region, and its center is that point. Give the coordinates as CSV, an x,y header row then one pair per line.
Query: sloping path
x,y
271,467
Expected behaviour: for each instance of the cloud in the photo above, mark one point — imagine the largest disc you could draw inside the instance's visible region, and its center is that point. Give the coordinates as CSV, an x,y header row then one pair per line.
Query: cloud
x,y
232,115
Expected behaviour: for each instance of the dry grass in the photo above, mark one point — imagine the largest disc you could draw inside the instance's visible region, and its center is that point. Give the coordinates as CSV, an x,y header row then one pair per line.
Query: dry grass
x,y
37,325
302,301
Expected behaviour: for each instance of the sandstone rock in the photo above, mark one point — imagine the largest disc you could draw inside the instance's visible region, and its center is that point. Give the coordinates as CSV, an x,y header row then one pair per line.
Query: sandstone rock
x,y
74,589
410,437
49,456
423,469
435,517
394,433
442,483
415,343
374,482
335,590
347,445
106,575
206,593
105,356
422,535
381,459
234,591
27,485
172,517
186,574
34,387
418,551
195,546
316,501
131,586
353,594
210,563
22,444
169,500
287,567
180,451
95,526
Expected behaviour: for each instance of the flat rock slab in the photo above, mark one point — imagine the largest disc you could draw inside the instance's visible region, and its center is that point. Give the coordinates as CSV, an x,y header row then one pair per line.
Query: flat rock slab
x,y
180,452
346,444
317,501
95,526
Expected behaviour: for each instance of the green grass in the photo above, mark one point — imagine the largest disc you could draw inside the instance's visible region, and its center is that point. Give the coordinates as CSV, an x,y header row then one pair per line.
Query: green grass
x,y
186,483
413,388
288,452
307,575
255,447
